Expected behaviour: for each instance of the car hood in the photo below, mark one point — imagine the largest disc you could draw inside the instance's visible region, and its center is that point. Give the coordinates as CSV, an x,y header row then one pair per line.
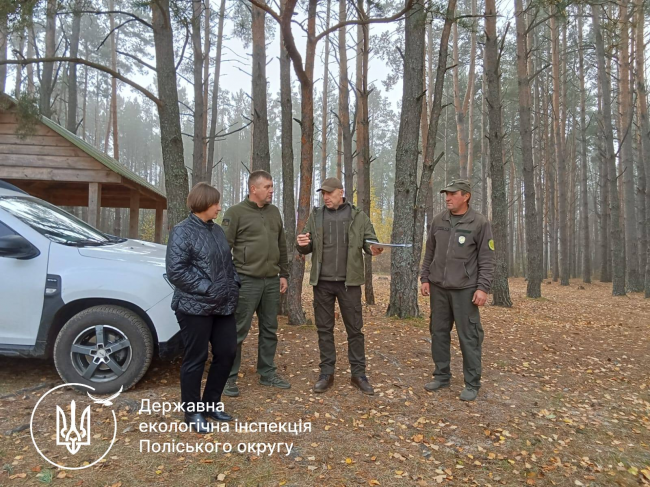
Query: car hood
x,y
134,251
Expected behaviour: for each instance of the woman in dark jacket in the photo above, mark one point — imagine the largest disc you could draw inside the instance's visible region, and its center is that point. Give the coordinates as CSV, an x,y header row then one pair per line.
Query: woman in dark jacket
x,y
200,266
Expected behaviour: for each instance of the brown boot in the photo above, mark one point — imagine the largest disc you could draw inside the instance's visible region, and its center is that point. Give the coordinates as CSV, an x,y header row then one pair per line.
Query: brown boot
x,y
362,384
324,382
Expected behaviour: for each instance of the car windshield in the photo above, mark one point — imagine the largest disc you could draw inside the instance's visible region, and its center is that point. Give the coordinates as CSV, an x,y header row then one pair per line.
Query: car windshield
x,y
54,223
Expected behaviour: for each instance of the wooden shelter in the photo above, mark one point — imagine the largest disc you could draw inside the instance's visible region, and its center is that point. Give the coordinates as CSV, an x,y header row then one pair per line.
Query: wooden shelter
x,y
55,165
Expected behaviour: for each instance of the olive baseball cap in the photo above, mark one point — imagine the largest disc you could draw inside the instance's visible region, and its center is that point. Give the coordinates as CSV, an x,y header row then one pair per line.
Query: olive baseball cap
x,y
330,184
457,185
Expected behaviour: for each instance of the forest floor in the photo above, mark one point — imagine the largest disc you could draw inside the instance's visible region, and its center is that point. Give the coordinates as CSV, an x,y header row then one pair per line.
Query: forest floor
x,y
565,401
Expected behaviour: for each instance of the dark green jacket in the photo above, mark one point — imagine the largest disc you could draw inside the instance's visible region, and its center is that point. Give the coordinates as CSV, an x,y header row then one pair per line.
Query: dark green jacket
x,y
360,230
256,237
460,256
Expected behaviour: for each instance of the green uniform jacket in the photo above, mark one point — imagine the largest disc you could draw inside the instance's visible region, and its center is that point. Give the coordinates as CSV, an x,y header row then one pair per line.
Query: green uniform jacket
x,y
360,230
256,237
460,256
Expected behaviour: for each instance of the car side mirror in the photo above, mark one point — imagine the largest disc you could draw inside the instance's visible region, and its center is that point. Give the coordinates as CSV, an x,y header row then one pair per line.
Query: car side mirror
x,y
17,247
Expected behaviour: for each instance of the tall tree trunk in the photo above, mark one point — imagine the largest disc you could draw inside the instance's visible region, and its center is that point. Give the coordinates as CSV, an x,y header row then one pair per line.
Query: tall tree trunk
x,y
363,142
344,103
500,288
206,88
484,151
461,105
176,181
288,199
261,155
306,77
19,69
71,120
584,197
197,69
560,154
326,78
215,99
408,224
116,145
404,283
634,279
47,87
618,261
3,52
533,257
30,54
644,129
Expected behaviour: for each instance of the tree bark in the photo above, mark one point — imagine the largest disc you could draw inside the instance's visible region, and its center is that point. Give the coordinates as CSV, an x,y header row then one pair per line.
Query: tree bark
x,y
633,276
3,52
618,261
116,144
215,97
326,78
404,283
71,119
408,224
305,75
344,104
197,69
533,257
176,180
644,129
560,155
461,105
584,196
46,87
261,157
288,199
500,288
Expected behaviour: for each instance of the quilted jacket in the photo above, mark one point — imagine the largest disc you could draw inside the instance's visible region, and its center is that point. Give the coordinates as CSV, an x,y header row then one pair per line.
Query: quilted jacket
x,y
200,266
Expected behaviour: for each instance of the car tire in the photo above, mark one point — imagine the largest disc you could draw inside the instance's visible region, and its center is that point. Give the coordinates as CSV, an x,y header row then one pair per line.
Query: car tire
x,y
105,347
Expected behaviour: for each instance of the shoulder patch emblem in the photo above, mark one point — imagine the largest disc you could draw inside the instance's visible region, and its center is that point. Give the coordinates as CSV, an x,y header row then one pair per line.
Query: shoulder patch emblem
x,y
491,244
226,222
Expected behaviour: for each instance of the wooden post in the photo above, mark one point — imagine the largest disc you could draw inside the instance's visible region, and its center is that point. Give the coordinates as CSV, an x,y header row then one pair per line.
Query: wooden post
x,y
158,229
134,214
94,203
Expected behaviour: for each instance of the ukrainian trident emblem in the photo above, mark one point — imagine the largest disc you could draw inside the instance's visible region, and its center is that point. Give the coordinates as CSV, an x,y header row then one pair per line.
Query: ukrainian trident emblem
x,y
73,437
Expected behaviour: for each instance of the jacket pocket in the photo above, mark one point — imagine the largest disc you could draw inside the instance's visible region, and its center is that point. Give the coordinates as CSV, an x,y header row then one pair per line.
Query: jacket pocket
x,y
244,255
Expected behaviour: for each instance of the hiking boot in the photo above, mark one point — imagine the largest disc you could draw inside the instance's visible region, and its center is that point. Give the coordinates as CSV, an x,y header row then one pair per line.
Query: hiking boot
x,y
275,381
362,384
436,385
324,382
468,394
231,389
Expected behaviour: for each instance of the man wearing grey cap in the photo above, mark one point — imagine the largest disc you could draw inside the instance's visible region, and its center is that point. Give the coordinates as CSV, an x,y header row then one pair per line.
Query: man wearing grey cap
x,y
337,234
457,273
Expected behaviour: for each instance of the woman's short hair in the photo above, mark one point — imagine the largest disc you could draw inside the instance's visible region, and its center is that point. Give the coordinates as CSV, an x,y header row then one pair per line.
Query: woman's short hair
x,y
202,196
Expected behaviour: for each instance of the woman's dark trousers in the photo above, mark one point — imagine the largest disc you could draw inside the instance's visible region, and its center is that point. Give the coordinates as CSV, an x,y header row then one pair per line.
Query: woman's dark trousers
x,y
197,332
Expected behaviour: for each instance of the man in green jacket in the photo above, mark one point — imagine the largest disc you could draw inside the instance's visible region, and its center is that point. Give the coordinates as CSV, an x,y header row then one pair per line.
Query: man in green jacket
x,y
256,236
457,274
337,234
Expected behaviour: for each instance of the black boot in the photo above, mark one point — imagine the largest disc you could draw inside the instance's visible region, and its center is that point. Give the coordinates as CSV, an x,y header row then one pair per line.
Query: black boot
x,y
198,423
218,415
324,382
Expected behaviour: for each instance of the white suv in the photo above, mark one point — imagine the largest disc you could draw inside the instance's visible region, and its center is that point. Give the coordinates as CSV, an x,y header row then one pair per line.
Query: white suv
x,y
99,304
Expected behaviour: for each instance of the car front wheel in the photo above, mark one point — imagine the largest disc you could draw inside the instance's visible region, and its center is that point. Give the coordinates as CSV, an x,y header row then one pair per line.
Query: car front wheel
x,y
106,347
